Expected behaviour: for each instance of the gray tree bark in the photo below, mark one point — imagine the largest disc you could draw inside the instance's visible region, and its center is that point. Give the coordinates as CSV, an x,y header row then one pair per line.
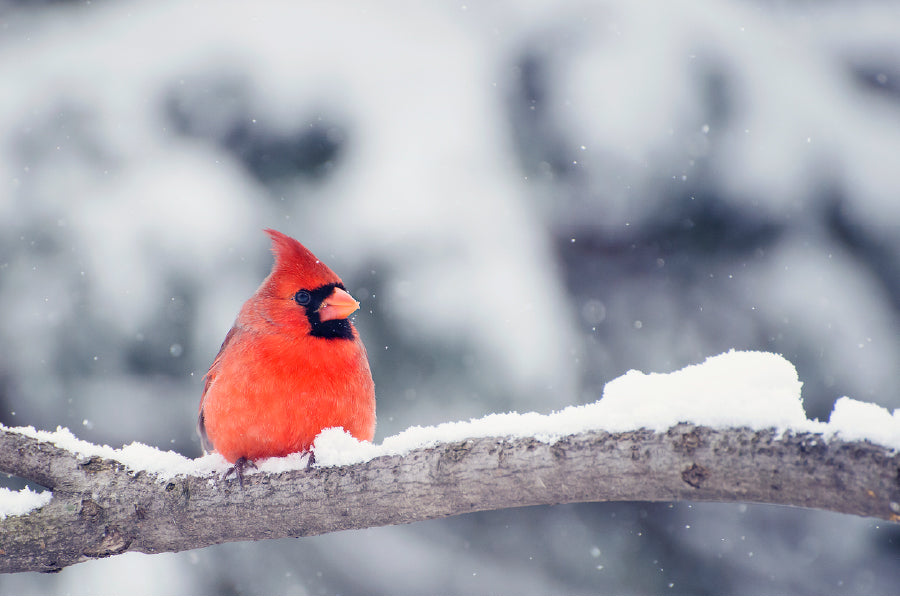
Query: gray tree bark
x,y
100,509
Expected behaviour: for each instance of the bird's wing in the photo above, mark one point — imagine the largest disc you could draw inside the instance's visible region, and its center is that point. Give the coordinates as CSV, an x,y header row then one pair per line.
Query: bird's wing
x,y
208,381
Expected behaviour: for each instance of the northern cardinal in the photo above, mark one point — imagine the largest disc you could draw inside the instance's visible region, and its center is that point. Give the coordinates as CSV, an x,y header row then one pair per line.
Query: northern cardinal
x,y
291,366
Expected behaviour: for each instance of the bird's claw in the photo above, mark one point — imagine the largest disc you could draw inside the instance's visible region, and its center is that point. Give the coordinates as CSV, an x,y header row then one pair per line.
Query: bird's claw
x,y
238,469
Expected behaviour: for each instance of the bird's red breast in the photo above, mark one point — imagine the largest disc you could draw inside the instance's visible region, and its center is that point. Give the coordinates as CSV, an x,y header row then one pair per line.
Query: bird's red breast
x,y
291,366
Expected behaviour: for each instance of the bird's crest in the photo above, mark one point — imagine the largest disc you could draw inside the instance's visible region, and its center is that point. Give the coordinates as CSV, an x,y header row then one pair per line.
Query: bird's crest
x,y
294,263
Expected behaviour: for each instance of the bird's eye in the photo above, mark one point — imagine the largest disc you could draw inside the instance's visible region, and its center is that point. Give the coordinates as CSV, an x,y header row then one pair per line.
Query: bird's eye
x,y
302,297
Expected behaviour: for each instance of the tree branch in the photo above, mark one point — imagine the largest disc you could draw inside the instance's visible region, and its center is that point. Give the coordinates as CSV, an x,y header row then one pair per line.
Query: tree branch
x,y
100,509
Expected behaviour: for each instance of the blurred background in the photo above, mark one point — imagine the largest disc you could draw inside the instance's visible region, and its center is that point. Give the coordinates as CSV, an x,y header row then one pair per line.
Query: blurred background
x,y
529,199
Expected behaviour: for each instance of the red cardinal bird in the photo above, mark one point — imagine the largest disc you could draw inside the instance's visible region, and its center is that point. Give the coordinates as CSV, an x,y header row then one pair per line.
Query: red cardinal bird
x,y
291,366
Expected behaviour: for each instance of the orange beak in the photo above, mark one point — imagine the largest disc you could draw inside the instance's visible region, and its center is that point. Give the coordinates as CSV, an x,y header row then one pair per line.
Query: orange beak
x,y
339,305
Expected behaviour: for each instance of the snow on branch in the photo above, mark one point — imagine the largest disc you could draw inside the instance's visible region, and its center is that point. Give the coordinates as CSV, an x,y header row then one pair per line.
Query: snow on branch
x,y
729,430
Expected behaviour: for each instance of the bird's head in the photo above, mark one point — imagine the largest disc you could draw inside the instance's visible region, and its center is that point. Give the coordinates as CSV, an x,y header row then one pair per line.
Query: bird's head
x,y
301,291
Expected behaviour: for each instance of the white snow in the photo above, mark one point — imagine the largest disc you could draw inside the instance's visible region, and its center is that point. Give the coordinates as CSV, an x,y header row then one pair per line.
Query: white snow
x,y
19,502
735,389
855,420
135,456
759,390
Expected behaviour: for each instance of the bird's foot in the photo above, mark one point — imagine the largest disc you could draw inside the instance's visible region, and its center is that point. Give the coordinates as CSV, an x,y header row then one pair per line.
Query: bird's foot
x,y
311,461
238,469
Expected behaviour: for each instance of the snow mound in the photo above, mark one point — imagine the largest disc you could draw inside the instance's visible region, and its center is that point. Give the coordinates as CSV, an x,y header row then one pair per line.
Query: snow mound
x,y
135,456
759,390
855,420
14,503
735,389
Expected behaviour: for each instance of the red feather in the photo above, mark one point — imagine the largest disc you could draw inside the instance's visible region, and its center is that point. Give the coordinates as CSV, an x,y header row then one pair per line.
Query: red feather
x,y
277,381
